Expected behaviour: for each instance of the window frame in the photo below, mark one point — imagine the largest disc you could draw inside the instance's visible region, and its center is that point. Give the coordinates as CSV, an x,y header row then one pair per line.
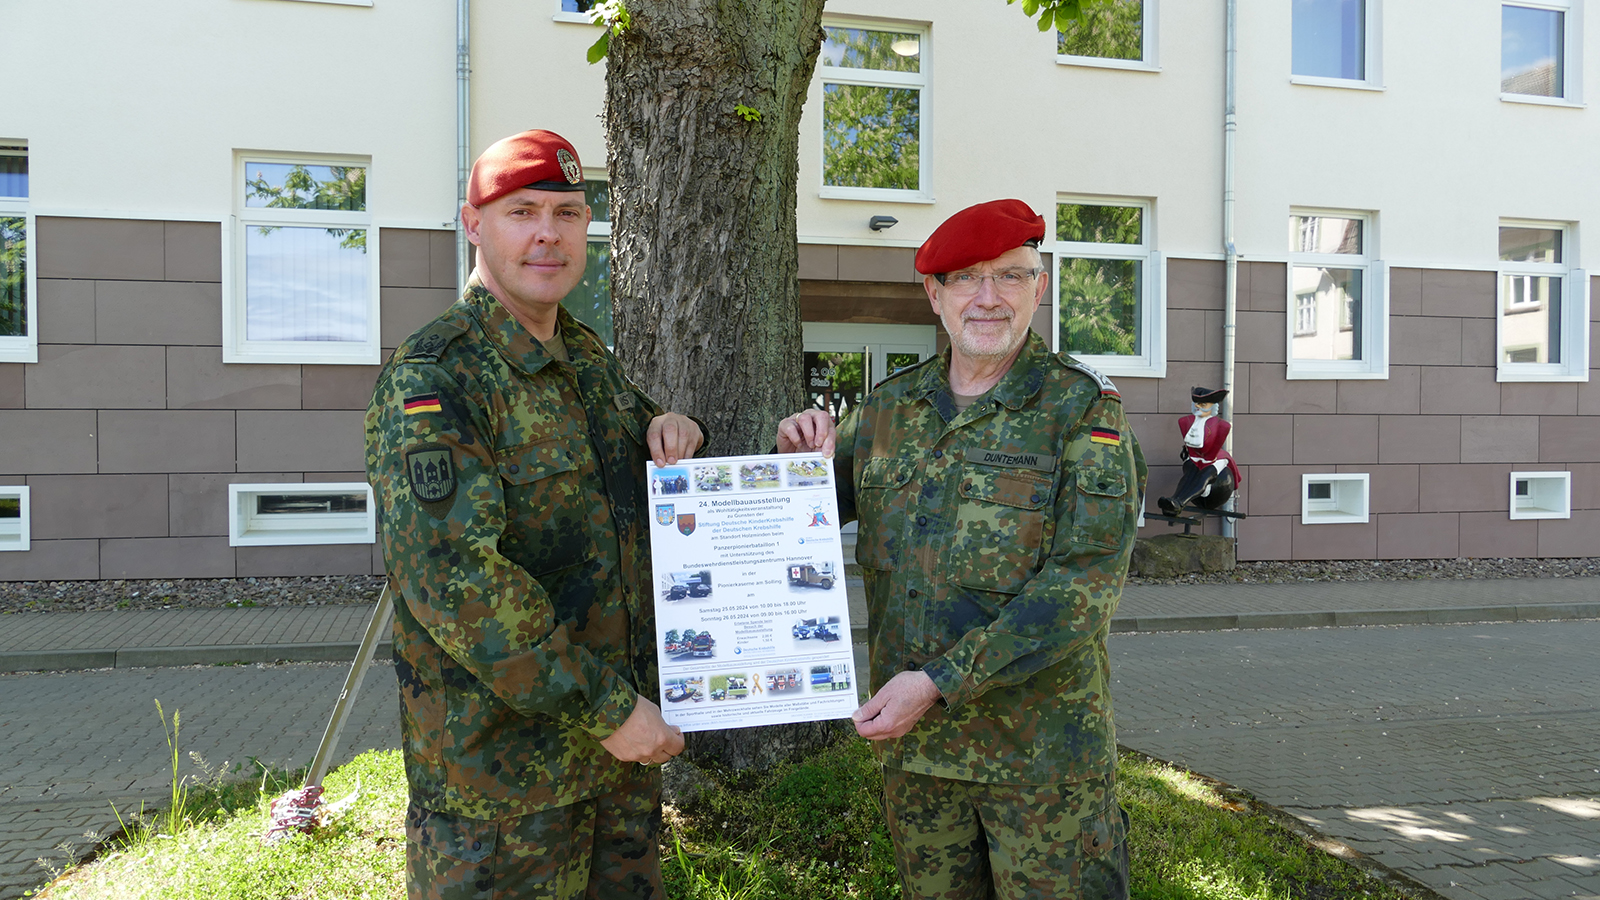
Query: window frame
x,y
1574,309
337,528
24,522
1564,493
826,75
1149,51
1335,510
1374,366
236,346
1372,56
1571,53
562,15
1152,362
23,348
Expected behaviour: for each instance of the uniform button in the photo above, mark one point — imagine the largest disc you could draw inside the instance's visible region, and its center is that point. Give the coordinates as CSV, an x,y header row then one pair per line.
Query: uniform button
x,y
514,468
938,454
966,485
477,845
911,593
922,520
1034,499
1102,485
910,667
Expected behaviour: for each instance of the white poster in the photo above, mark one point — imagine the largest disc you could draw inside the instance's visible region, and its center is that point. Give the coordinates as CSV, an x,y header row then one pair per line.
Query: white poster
x,y
752,622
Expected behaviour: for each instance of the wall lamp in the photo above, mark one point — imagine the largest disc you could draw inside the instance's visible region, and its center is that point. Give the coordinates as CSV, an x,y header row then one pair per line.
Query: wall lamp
x,y
879,223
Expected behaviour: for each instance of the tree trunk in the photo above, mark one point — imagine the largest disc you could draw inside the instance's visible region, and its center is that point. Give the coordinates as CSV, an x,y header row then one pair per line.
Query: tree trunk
x,y
704,266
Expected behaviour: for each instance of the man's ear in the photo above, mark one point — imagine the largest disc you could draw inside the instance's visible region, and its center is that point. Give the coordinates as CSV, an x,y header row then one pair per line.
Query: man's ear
x,y
931,285
471,219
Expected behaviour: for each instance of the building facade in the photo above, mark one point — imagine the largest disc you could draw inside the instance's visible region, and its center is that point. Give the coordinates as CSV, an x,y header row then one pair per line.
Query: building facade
x,y
201,278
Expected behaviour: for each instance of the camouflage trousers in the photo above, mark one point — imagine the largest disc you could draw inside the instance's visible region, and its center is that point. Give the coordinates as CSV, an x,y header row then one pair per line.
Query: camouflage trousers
x,y
603,848
965,840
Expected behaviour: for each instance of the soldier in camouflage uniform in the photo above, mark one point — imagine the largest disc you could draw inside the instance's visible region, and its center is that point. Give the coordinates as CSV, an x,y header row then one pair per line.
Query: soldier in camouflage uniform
x,y
998,488
507,449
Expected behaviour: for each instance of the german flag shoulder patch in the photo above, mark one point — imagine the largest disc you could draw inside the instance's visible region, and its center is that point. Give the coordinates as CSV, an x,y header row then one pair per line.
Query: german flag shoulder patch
x,y
1106,436
421,403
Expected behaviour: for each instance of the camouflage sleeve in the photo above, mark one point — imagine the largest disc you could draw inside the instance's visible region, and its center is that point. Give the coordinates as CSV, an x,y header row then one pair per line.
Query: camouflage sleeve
x,y
443,511
844,460
1068,603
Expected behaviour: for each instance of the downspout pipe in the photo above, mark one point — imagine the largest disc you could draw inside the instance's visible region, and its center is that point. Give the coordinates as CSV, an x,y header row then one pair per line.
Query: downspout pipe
x,y
463,134
1230,289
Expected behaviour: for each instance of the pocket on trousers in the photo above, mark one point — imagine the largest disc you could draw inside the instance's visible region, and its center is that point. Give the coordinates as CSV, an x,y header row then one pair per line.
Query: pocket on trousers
x,y
458,837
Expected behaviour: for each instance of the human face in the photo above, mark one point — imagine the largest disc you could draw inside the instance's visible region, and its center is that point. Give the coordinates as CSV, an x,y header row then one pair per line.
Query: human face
x,y
990,325
532,247
1204,410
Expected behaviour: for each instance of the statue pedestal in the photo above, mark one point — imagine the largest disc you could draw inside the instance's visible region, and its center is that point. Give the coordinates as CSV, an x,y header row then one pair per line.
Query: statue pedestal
x,y
1176,555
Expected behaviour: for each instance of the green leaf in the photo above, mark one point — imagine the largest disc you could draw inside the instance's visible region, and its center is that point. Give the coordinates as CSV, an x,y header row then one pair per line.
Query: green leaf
x,y
599,49
1030,7
1047,19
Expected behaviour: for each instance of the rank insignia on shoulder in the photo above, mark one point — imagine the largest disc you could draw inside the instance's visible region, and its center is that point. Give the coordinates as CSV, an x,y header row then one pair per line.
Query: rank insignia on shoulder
x,y
421,403
432,473
1105,436
1107,389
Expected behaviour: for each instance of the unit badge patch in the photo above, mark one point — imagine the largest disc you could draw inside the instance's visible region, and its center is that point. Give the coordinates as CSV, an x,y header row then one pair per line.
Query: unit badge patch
x,y
686,524
664,513
432,473
569,166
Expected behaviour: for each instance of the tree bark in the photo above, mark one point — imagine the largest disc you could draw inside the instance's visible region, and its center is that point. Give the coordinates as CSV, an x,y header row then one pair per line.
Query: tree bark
x,y
704,266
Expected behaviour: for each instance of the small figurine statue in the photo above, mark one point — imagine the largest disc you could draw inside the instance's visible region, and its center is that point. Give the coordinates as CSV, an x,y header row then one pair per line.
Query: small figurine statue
x,y
1209,473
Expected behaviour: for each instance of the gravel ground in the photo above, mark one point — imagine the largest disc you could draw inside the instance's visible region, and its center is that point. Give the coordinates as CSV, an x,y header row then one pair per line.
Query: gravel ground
x,y
187,593
194,593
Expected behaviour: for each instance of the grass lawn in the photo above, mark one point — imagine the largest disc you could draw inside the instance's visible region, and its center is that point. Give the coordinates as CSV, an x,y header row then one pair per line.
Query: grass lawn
x,y
808,830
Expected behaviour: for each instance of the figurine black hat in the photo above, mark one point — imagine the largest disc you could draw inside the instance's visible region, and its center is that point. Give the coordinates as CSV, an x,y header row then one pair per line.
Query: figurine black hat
x,y
1206,395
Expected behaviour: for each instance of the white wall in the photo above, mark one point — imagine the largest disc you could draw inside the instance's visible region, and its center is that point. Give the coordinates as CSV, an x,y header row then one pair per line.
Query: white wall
x,y
135,109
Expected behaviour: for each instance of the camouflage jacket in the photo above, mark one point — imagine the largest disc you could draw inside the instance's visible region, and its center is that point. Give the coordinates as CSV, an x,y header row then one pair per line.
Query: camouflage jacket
x,y
511,496
995,544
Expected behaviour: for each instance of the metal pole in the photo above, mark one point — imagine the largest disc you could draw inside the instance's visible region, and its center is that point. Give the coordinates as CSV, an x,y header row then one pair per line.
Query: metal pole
x,y
1230,297
463,134
382,614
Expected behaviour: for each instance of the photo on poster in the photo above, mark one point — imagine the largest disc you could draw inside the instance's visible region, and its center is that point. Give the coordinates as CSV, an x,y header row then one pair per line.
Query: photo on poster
x,y
684,690
710,479
688,644
785,682
807,577
808,473
694,585
759,476
827,679
823,628
669,481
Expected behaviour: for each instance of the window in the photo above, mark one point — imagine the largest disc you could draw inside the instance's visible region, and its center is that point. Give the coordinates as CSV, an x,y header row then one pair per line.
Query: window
x,y
574,10
19,341
302,277
873,119
261,515
1541,495
1335,42
590,301
1120,34
1110,308
1544,305
1333,499
14,524
1540,54
1340,324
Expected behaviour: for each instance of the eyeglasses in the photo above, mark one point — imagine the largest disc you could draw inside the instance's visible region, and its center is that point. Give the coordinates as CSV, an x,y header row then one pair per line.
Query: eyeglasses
x,y
1011,281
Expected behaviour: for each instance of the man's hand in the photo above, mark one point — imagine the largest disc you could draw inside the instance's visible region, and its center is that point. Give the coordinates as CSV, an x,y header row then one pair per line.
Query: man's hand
x,y
672,437
812,431
896,707
645,737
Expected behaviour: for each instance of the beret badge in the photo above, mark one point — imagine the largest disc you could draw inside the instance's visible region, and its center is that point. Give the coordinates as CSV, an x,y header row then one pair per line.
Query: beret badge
x,y
569,166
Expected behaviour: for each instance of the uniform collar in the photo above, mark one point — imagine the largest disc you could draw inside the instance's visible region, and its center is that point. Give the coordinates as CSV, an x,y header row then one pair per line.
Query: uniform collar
x,y
515,342
1020,383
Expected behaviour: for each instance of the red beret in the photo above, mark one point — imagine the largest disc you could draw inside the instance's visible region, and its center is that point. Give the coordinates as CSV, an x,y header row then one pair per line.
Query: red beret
x,y
978,233
542,160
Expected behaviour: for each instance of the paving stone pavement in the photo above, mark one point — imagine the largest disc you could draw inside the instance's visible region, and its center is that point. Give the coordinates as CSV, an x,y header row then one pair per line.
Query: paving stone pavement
x,y
74,743
1466,756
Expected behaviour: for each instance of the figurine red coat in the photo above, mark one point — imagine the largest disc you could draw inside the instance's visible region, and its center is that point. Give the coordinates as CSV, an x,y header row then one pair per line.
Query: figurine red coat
x,y
1211,449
